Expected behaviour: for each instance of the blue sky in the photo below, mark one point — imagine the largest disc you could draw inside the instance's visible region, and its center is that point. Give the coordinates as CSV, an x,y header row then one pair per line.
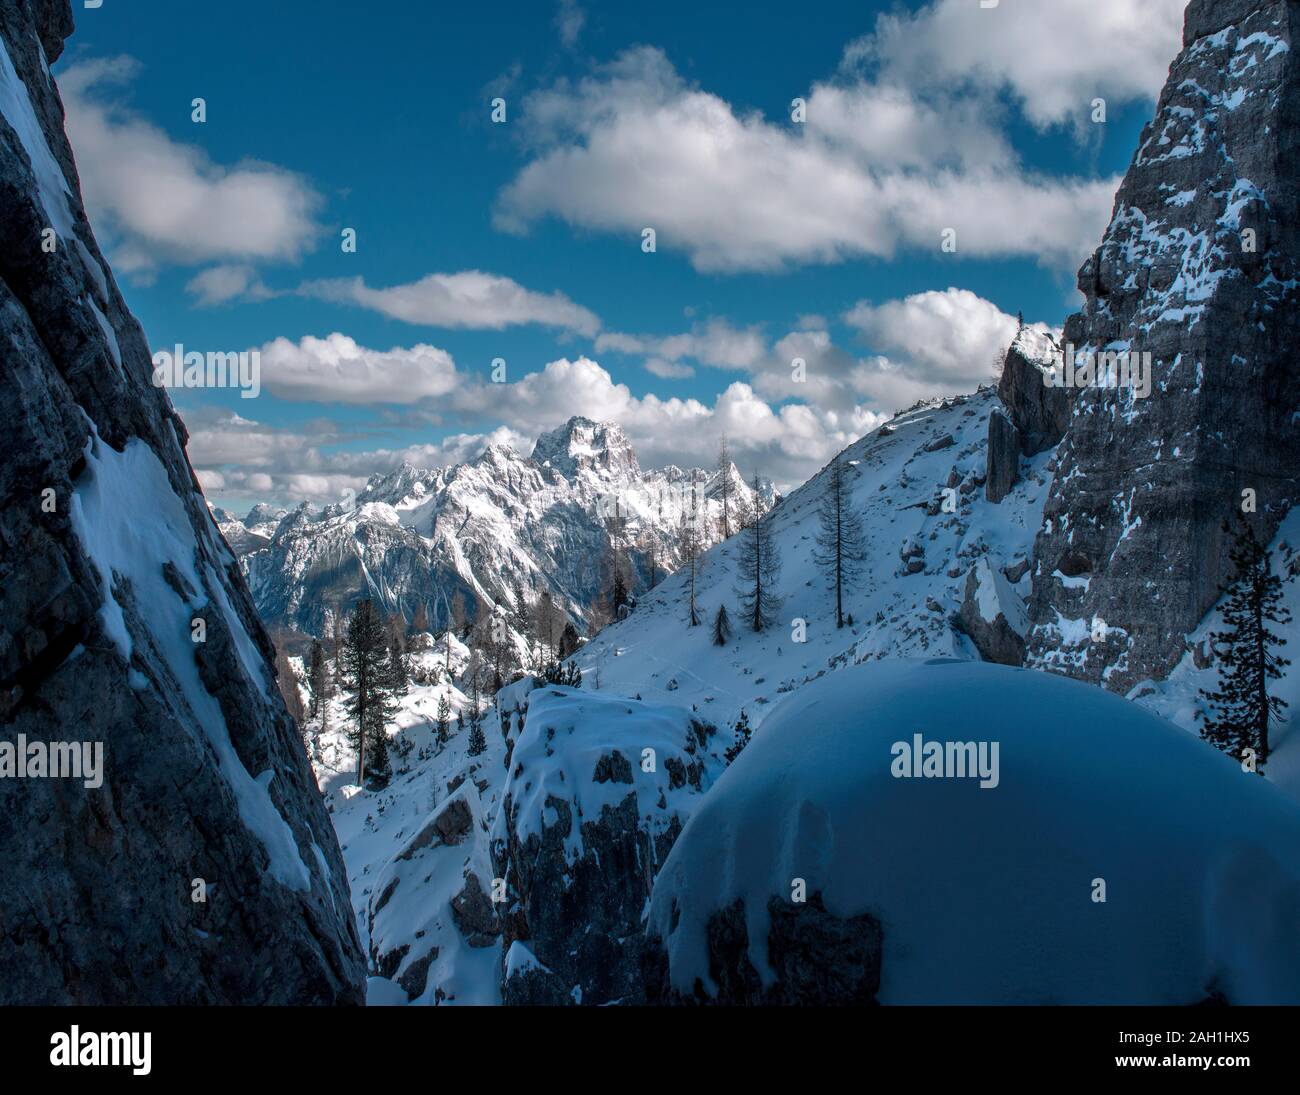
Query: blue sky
x,y
775,239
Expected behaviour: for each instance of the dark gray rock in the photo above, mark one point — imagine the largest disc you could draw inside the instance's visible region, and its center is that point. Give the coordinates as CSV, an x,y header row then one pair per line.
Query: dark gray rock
x,y
1143,486
1003,457
819,959
96,894
1039,412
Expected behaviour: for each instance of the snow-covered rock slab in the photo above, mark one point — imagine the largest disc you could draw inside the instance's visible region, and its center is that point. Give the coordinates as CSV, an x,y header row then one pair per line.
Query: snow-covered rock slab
x,y
599,788
984,890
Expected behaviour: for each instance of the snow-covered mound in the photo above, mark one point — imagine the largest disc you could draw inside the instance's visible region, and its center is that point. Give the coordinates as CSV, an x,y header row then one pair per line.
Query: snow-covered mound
x,y
599,788
987,890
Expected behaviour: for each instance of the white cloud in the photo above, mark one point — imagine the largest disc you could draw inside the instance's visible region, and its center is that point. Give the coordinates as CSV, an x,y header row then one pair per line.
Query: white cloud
x,y
874,170
945,336
470,299
337,369
569,21
1054,58
224,283
714,342
159,200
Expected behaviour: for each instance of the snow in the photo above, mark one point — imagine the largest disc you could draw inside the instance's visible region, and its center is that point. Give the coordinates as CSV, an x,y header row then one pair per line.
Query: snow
x,y
995,597
567,734
895,485
130,523
52,186
986,895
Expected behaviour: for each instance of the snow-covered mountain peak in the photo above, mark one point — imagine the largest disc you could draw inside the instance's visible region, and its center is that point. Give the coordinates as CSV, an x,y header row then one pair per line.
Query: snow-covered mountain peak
x,y
583,445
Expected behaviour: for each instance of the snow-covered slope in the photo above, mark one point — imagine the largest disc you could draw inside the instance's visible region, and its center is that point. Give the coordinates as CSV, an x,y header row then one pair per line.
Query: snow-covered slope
x,y
987,890
912,587
540,523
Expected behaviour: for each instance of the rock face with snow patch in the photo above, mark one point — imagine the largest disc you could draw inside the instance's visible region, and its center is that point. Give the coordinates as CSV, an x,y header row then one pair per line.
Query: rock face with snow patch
x,y
1200,267
588,817
993,614
203,869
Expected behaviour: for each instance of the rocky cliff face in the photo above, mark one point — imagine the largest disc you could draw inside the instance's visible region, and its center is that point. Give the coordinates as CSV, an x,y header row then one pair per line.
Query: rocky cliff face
x,y
1200,267
202,867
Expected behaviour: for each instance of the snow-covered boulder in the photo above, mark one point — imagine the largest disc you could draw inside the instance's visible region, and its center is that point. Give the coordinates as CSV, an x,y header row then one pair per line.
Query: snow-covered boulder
x,y
993,614
1073,861
598,790
431,917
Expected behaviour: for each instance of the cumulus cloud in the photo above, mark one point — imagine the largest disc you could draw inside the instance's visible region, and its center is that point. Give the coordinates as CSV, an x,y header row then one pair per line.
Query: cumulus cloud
x,y
159,200
337,369
906,140
946,336
1053,58
470,299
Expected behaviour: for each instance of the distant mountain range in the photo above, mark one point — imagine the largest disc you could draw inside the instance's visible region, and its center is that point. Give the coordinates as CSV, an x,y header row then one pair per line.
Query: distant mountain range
x,y
486,529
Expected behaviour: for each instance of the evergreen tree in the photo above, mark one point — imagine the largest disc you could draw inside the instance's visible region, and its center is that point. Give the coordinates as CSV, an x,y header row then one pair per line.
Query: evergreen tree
x,y
721,627
743,734
759,567
841,542
724,486
317,677
460,722
1241,710
367,675
691,541
477,739
443,724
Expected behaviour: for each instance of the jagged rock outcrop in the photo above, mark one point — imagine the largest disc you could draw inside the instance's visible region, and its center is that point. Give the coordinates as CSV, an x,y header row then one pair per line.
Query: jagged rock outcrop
x,y
1200,268
203,868
599,788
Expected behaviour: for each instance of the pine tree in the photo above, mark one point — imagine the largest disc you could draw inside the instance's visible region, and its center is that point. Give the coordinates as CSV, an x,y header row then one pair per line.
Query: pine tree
x,y
691,540
724,486
721,627
443,724
841,542
317,677
366,672
477,739
743,734
1241,710
759,567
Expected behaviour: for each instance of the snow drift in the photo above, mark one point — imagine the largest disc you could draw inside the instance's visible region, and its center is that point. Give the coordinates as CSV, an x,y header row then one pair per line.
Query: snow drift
x,y
990,894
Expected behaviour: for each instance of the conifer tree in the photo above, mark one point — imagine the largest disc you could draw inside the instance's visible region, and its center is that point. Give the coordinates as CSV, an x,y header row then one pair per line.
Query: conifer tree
x,y
691,541
443,723
317,677
841,541
721,627
743,734
724,486
366,673
759,567
1241,710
